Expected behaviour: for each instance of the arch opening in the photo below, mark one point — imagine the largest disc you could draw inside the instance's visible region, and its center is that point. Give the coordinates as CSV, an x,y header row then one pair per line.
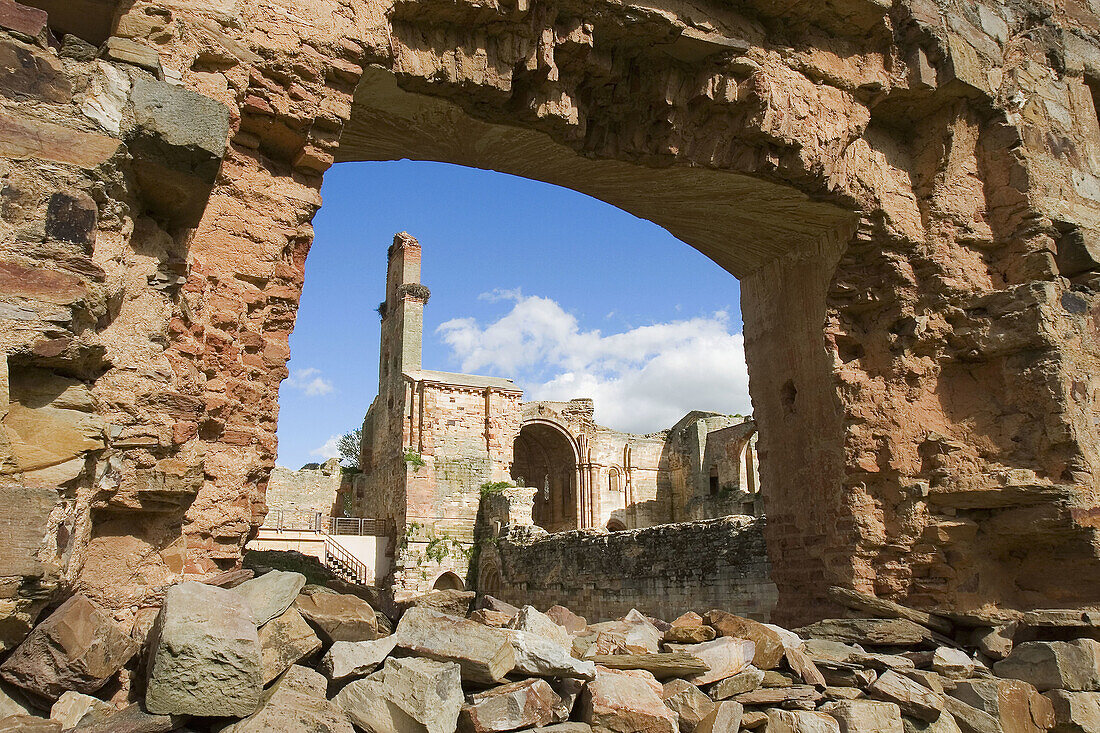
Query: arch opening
x,y
449,581
545,458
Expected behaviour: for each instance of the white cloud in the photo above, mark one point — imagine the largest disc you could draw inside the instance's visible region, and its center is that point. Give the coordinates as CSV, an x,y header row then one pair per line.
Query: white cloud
x,y
642,380
330,449
309,381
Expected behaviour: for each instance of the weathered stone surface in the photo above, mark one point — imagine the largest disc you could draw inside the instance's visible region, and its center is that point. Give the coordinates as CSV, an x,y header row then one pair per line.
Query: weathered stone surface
x,y
490,603
14,701
994,642
270,594
204,654
28,724
295,704
769,645
746,680
801,721
348,659
134,719
285,640
538,656
77,647
802,665
689,634
529,619
72,707
366,705
1068,665
626,702
564,728
970,719
688,702
427,691
726,656
510,707
1075,712
451,602
868,631
943,724
565,618
128,51
952,663
22,18
661,666
496,619
913,698
484,654
724,717
865,716
767,696
339,616
26,71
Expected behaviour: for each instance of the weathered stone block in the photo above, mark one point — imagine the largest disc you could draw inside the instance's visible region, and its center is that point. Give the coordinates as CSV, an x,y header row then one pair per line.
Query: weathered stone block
x,y
78,647
1048,665
1075,712
427,691
204,654
769,645
27,72
347,659
513,706
626,701
801,721
284,641
270,594
295,704
485,654
865,716
22,19
687,701
339,616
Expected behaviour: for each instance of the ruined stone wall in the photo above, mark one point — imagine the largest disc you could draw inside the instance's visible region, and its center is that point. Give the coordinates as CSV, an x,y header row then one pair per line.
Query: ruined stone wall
x,y
306,491
662,571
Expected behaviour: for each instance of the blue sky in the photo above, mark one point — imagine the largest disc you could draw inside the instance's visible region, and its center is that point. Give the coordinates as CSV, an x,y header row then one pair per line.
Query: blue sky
x,y
568,295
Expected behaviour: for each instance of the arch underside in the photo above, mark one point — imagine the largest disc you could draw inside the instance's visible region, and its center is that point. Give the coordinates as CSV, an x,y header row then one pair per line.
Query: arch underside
x,y
545,458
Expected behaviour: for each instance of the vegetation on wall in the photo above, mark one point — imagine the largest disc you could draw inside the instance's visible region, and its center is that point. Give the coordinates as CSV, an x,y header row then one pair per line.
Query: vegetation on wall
x,y
349,445
415,459
492,488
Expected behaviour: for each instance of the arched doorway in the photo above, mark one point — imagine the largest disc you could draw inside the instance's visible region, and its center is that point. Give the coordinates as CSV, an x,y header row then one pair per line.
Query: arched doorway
x,y
449,581
546,459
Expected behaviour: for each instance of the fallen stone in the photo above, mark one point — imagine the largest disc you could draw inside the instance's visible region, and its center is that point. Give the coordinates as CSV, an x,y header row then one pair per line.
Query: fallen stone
x,y
913,698
775,678
873,605
348,659
1048,665
724,717
496,619
725,656
510,707
637,632
128,51
689,634
626,702
569,689
271,594
71,708
801,721
824,650
952,663
30,73
564,728
23,19
766,696
28,724
78,647
744,681
769,645
339,616
284,641
565,618
295,704
868,631
450,602
529,619
204,654
688,702
943,724
970,719
804,667
1075,712
428,691
865,716
134,719
540,657
754,719
840,694
485,655
1016,705
994,642
846,676
489,603
366,705
13,701
662,666
929,679
881,662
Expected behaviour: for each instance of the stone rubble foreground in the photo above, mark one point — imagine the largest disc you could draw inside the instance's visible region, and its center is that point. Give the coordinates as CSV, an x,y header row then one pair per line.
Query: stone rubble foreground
x,y
274,654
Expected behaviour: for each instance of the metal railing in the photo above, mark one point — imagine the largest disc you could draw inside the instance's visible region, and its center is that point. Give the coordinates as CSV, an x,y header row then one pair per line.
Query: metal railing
x,y
282,520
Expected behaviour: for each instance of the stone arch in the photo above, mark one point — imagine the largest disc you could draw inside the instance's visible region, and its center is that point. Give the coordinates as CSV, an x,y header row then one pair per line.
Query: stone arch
x,y
545,457
448,581
615,525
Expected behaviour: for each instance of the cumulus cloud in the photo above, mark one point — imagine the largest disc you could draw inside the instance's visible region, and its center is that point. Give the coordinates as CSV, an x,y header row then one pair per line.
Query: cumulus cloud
x,y
643,379
309,381
330,449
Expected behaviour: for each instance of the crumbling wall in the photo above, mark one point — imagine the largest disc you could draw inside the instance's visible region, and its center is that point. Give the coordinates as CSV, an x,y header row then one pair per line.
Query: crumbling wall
x,y
663,571
307,490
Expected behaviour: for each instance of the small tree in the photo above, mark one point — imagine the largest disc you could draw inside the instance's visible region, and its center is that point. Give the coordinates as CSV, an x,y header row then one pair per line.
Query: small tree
x,y
348,446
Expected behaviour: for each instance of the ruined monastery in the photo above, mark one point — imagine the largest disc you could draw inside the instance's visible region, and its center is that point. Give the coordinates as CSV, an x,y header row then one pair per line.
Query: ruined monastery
x,y
908,192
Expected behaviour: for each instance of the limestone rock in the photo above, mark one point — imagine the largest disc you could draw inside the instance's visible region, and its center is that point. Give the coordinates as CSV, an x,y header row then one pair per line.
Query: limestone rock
x,y
801,721
489,603
270,594
450,602
804,667
529,619
1048,665
769,645
496,619
133,719
626,702
570,727
1075,712
28,724
1016,705
485,655
913,698
427,691
339,616
868,631
952,663
766,696
366,705
994,642
71,708
865,716
347,659
284,641
128,51
204,654
565,618
516,705
78,647
724,717
689,634
725,656
569,689
539,657
746,680
943,724
662,666
13,701
295,704
688,702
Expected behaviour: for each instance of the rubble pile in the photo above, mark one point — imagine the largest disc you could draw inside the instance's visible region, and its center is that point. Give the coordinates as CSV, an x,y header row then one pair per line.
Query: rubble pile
x,y
273,654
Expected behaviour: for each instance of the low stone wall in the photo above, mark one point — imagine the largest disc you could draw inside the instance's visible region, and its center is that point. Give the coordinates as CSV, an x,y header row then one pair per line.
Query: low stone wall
x,y
662,571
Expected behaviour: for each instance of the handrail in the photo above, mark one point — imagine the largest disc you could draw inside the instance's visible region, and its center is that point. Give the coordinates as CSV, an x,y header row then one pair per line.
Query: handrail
x,y
353,565
299,521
